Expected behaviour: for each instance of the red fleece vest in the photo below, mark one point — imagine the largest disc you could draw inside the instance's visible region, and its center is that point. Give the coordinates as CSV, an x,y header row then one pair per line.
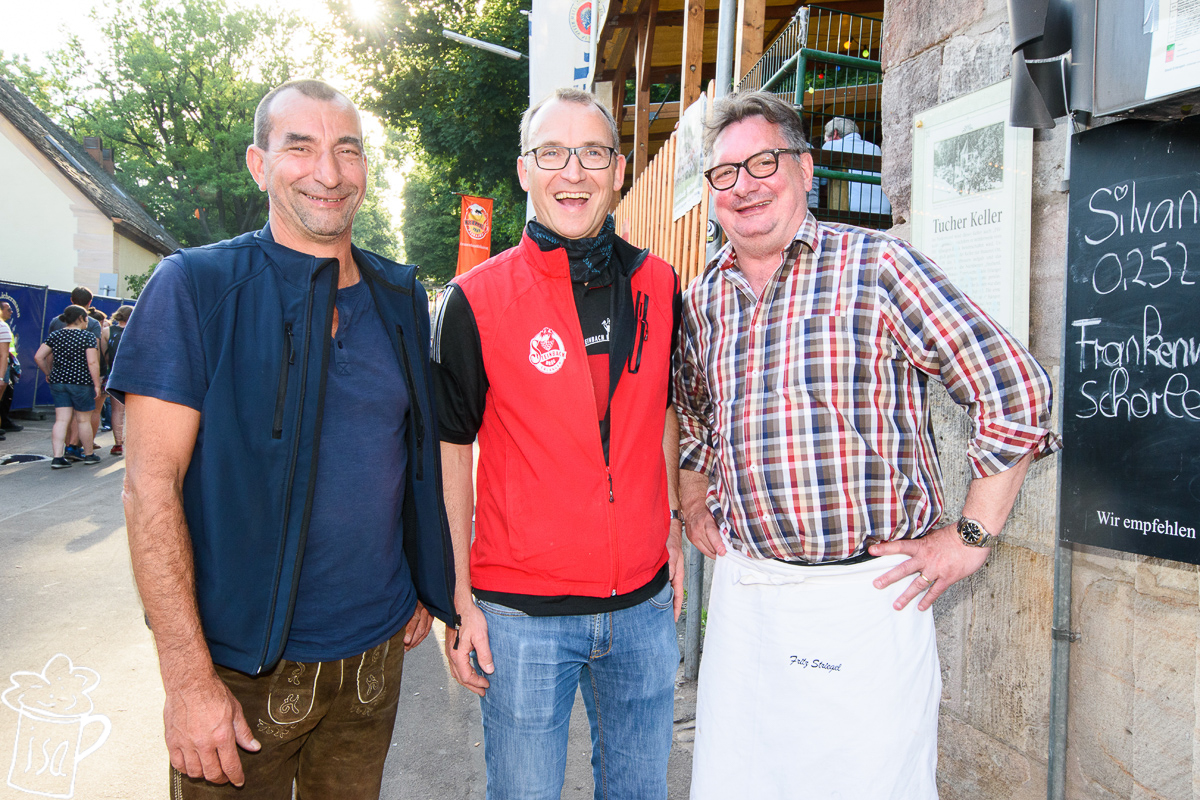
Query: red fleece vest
x,y
550,517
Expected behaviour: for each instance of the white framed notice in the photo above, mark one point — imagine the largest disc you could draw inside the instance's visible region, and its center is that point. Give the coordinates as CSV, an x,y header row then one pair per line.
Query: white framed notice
x,y
689,159
972,187
1174,26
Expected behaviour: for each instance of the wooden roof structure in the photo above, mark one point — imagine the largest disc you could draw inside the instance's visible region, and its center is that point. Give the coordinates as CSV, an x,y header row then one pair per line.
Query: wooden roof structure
x,y
675,41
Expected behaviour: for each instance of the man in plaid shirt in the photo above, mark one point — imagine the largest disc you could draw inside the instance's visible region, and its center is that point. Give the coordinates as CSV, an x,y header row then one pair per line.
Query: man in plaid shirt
x,y
811,475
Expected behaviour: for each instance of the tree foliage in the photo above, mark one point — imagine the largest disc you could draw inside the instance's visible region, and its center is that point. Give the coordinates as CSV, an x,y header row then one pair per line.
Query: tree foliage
x,y
373,228
174,96
458,110
135,283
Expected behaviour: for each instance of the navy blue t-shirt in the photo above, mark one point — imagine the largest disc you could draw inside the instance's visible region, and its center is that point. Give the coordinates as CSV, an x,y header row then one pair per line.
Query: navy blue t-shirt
x,y
355,587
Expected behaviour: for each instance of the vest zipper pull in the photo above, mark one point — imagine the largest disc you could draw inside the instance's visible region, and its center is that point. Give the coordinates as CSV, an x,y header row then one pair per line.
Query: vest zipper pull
x,y
608,472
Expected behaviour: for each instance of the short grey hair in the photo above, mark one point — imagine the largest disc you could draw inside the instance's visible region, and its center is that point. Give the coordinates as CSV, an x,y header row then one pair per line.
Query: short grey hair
x,y
734,108
317,90
568,94
840,125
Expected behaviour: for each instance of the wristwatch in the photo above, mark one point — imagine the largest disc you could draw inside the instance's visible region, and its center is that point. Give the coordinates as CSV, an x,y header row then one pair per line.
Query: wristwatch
x,y
972,533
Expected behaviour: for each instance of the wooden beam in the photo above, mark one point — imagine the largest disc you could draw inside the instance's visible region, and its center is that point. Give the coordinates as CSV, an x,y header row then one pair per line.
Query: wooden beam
x,y
610,29
835,159
645,49
626,41
619,107
749,46
693,52
666,73
662,111
675,19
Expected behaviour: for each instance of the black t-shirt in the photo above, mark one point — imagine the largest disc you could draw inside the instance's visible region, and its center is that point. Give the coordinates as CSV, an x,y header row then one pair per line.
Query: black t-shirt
x,y
460,386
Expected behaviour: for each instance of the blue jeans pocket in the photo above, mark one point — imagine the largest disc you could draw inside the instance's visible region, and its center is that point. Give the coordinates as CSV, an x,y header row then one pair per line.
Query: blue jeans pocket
x,y
665,597
498,610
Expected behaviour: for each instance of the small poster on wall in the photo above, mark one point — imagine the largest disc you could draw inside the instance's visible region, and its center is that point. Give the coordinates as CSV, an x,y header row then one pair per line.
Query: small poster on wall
x,y
689,159
972,186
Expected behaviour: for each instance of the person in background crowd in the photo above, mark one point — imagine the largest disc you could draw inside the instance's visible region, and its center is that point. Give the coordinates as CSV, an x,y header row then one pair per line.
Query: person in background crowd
x,y
286,535
112,342
556,355
80,296
9,369
102,400
70,359
810,474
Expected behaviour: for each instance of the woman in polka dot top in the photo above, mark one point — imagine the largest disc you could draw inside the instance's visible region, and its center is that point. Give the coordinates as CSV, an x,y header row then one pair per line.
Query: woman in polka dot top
x,y
70,358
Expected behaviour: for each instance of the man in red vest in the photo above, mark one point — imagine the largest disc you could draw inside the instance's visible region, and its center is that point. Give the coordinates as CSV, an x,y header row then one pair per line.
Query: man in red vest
x,y
555,356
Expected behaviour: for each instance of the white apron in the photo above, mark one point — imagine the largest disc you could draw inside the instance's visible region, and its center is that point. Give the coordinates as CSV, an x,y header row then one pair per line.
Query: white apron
x,y
813,686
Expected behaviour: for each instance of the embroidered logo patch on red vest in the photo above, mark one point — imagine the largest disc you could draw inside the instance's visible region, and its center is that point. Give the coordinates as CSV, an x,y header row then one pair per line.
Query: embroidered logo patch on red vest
x,y
546,351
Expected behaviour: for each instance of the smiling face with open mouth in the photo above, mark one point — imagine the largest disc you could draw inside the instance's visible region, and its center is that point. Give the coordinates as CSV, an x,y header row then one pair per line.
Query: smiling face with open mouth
x,y
313,169
571,201
760,215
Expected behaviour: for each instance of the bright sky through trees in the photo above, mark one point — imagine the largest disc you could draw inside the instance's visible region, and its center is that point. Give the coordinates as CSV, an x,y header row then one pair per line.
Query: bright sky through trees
x,y
34,29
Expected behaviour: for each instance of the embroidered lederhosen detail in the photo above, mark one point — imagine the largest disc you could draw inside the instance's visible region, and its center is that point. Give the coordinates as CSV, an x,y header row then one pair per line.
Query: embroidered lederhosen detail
x,y
371,674
293,692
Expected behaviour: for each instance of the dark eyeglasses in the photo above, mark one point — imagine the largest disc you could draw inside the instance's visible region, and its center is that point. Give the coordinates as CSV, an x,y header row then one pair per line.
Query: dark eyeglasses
x,y
759,165
553,156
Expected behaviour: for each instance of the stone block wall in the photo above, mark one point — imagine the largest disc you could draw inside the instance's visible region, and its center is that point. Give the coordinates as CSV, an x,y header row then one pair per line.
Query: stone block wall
x,y
1132,730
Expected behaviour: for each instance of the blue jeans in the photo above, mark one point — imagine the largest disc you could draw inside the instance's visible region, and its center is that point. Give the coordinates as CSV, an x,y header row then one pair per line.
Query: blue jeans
x,y
624,662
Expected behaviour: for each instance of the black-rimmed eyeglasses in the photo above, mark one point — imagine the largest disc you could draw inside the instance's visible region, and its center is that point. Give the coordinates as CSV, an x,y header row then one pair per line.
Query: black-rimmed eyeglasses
x,y
553,156
759,165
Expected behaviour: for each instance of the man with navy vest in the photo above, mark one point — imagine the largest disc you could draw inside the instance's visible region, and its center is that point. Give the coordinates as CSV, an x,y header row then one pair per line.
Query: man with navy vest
x,y
555,357
285,522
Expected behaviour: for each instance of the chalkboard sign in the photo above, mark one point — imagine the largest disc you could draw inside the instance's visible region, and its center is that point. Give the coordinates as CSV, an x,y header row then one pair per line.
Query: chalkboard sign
x,y
1131,368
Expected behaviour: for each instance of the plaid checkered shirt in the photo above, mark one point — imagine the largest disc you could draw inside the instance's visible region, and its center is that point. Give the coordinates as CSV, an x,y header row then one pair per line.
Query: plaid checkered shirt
x,y
809,408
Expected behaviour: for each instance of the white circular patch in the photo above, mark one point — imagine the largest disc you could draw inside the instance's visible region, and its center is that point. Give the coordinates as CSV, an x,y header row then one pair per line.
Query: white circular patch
x,y
581,20
546,351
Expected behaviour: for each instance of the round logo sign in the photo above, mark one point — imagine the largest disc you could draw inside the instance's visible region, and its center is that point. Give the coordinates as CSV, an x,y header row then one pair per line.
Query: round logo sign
x,y
712,232
581,20
476,221
546,351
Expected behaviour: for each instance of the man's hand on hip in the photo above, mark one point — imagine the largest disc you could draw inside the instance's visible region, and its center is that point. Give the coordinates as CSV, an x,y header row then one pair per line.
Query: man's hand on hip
x,y
939,559
471,636
204,727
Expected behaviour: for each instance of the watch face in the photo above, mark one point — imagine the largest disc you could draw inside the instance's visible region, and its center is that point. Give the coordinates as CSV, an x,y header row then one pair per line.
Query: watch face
x,y
971,532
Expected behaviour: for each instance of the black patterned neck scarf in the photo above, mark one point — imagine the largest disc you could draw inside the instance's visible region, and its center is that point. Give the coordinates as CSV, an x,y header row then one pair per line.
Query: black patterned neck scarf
x,y
589,259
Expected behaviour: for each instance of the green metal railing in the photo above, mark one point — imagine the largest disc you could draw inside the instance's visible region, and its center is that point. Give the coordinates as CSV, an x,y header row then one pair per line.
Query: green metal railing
x,y
826,63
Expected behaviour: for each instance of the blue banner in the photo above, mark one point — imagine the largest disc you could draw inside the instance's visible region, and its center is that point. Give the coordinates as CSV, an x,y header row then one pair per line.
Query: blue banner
x,y
110,304
34,308
27,323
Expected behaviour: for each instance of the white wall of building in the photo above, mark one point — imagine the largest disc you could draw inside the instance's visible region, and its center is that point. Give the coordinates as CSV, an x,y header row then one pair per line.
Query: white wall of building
x,y
52,234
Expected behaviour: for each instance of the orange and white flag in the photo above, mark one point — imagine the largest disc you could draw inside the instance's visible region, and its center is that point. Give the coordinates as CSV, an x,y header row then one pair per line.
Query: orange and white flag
x,y
474,233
